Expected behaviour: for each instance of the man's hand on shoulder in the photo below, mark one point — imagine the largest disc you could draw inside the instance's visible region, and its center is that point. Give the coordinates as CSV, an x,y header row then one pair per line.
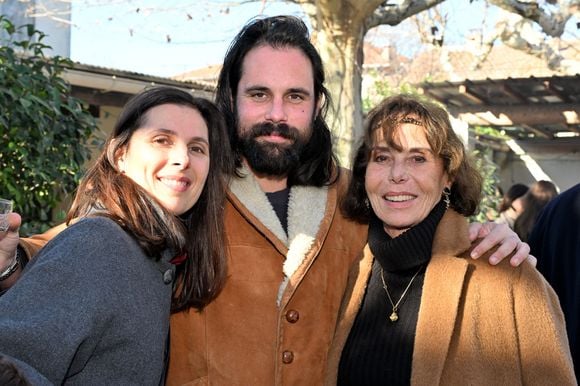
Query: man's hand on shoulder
x,y
500,235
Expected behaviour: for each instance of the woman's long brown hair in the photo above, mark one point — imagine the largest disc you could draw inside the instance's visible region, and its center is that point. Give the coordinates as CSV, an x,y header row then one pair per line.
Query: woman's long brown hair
x,y
199,233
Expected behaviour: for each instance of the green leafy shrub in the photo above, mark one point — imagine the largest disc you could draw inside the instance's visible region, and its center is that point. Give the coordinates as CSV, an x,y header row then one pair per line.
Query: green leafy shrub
x,y
44,131
488,207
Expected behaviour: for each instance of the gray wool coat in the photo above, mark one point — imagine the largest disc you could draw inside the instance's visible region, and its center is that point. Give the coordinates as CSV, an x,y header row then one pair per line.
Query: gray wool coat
x,y
90,309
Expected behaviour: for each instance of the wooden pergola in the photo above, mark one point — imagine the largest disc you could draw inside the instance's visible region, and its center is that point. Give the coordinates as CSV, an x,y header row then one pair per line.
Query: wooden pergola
x,y
526,108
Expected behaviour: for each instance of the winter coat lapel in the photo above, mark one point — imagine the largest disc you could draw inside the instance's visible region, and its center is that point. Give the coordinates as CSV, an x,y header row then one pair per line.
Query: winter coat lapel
x,y
306,209
442,292
247,190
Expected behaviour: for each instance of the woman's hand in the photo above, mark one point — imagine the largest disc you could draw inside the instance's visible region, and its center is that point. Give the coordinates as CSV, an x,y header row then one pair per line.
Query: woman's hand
x,y
499,235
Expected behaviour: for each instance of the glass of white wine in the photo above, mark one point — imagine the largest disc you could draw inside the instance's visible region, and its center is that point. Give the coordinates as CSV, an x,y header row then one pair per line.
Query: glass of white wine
x,y
5,209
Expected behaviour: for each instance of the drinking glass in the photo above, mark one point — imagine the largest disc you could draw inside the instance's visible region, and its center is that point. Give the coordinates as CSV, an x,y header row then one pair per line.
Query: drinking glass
x,y
5,208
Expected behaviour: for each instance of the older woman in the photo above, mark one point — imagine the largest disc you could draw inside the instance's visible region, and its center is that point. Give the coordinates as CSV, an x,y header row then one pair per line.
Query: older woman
x,y
94,306
418,310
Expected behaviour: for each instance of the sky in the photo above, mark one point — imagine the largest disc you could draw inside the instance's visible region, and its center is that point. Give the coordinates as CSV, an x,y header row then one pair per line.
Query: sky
x,y
170,37
162,38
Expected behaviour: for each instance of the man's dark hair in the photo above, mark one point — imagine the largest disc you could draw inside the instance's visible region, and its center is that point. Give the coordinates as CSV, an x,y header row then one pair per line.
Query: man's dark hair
x,y
318,165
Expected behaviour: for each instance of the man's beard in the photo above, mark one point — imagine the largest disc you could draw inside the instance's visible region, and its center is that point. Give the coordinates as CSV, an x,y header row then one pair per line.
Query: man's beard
x,y
272,159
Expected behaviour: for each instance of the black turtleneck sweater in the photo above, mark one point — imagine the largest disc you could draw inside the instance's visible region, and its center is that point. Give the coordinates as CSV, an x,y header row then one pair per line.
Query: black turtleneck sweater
x,y
379,351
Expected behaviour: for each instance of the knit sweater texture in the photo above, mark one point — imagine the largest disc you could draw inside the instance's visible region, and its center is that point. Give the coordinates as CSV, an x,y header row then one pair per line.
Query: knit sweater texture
x,y
90,309
378,350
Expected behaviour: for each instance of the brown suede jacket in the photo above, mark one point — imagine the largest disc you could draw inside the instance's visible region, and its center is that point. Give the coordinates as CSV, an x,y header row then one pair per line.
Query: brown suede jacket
x,y
275,319
478,324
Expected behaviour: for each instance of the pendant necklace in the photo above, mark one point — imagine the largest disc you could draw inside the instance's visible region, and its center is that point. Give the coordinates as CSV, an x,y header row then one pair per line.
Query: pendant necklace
x,y
394,316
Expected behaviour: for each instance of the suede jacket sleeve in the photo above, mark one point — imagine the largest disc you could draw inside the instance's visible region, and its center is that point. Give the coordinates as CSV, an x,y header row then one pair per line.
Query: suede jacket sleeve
x,y
33,244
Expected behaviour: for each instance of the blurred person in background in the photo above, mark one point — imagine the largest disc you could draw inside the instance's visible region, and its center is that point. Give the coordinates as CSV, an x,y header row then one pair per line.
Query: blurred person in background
x,y
535,199
511,205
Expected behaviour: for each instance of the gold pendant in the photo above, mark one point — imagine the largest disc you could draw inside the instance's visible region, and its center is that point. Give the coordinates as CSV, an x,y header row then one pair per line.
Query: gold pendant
x,y
394,317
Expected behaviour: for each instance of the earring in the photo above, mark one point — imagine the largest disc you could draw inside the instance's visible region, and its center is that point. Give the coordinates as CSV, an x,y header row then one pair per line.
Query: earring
x,y
446,195
367,203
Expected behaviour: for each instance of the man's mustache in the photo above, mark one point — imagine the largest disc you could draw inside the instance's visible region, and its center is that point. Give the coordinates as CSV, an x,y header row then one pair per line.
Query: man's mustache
x,y
281,129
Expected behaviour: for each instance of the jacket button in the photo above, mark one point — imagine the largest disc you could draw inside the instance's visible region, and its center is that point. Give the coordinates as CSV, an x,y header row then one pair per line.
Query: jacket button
x,y
168,276
292,316
287,357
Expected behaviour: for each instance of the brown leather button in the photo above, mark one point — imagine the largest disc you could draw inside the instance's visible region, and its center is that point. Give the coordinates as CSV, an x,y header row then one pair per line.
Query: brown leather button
x,y
287,357
292,316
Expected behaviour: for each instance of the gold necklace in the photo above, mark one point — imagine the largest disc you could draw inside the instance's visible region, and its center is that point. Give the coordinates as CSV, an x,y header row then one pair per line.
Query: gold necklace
x,y
394,316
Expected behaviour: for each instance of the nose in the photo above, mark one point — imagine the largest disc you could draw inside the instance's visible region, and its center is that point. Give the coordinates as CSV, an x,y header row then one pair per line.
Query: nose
x,y
398,172
179,156
276,111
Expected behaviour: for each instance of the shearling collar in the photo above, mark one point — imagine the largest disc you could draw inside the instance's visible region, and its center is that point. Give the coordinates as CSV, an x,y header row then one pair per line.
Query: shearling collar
x,y
306,209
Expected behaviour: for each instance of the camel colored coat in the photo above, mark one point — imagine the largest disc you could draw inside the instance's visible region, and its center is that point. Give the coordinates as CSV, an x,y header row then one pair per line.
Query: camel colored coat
x,y
478,324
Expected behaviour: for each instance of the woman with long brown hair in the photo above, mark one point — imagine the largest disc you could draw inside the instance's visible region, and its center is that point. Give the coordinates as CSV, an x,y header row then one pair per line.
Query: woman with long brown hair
x,y
94,305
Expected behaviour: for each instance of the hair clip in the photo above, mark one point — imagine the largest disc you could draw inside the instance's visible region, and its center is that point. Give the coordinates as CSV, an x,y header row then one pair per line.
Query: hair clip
x,y
411,120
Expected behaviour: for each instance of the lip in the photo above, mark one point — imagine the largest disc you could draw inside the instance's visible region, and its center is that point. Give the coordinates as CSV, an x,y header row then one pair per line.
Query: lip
x,y
175,183
274,138
399,198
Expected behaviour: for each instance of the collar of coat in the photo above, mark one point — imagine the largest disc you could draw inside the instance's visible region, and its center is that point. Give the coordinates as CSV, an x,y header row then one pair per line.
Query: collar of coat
x,y
306,209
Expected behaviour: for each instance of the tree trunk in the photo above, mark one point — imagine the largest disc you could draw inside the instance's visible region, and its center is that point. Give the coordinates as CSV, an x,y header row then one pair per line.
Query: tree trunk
x,y
343,64
338,33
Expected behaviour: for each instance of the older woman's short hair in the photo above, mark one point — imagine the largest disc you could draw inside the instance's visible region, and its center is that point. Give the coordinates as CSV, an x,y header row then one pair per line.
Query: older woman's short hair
x,y
387,116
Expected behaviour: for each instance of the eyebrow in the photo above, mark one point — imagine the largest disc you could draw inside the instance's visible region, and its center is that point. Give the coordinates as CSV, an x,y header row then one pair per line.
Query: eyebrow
x,y
199,139
411,150
256,88
291,90
299,90
171,132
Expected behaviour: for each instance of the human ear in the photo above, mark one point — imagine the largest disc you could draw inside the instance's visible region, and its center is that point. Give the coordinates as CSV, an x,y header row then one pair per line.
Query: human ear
x,y
120,162
318,107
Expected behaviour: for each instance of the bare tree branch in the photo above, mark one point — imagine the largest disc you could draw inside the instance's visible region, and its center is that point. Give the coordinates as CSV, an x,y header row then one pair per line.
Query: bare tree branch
x,y
519,33
552,20
393,14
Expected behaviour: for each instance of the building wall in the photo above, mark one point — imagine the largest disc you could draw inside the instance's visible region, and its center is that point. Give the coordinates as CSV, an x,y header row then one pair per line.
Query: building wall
x,y
106,121
559,159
